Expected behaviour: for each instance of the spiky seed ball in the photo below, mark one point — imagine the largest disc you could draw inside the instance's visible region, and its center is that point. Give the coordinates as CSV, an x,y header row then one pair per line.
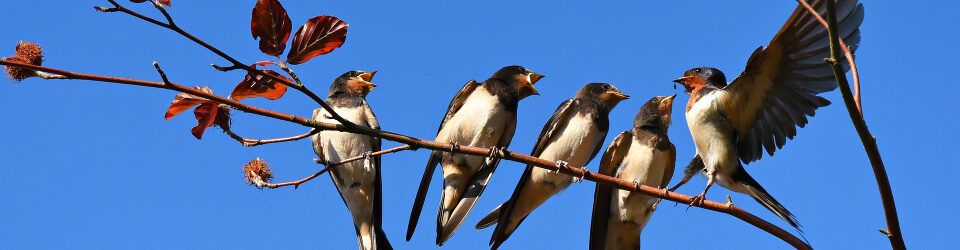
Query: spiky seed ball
x,y
257,172
16,73
32,52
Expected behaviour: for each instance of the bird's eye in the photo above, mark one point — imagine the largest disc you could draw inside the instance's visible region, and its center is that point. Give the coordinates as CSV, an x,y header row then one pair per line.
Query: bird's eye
x,y
606,86
522,69
696,70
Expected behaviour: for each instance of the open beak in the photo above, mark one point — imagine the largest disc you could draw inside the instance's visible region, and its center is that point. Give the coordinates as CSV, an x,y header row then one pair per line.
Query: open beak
x,y
683,80
529,89
534,77
367,77
620,96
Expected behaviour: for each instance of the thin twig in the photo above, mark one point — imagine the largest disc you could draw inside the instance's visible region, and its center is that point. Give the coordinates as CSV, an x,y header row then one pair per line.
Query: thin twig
x,y
330,166
856,116
257,142
442,146
846,52
163,76
283,65
236,64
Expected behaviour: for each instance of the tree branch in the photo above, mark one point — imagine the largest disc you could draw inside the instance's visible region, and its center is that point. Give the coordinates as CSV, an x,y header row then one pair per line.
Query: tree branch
x,y
331,165
257,142
236,64
852,102
846,52
442,146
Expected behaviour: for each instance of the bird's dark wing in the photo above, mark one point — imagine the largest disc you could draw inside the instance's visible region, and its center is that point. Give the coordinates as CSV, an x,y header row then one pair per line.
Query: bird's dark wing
x,y
779,86
557,121
671,164
609,163
381,238
436,156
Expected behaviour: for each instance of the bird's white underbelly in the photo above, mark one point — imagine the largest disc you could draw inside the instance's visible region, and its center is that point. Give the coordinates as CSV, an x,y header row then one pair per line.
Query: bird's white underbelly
x,y
480,123
712,135
646,165
341,145
574,144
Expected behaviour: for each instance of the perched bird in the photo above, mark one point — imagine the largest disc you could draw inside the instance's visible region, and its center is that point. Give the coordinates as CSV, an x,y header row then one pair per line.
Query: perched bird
x,y
480,115
573,135
357,182
761,108
642,155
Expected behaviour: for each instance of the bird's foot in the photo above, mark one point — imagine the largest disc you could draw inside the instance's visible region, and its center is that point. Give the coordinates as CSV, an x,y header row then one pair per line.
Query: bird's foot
x,y
367,165
697,200
454,146
583,172
560,165
494,154
729,202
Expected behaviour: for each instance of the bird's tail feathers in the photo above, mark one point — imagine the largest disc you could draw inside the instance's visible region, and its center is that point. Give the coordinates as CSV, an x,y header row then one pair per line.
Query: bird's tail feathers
x,y
758,193
490,219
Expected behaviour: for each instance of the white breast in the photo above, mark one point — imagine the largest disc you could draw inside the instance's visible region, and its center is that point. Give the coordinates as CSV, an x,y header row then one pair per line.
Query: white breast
x,y
341,145
712,134
480,122
574,143
646,165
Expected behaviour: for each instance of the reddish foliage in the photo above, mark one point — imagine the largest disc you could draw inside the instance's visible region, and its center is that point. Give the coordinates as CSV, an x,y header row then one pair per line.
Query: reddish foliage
x,y
260,86
320,35
162,2
206,114
272,25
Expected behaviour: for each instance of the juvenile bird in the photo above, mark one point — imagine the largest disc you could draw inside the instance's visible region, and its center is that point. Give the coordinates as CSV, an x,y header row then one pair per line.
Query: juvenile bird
x,y
761,108
357,182
643,155
573,135
480,115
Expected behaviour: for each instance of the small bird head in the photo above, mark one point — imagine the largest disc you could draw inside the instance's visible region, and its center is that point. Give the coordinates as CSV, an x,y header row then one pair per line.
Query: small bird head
x,y
520,78
353,83
697,78
655,114
604,93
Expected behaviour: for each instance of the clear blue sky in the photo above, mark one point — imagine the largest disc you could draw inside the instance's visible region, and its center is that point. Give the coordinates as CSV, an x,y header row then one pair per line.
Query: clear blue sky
x,y
94,165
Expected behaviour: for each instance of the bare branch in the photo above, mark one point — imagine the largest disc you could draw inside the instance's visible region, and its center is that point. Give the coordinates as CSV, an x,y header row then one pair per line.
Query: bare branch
x,y
846,52
257,142
852,102
332,165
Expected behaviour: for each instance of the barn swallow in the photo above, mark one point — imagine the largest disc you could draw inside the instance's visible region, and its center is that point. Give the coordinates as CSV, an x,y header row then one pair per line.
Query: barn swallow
x,y
643,155
760,109
480,115
573,135
357,182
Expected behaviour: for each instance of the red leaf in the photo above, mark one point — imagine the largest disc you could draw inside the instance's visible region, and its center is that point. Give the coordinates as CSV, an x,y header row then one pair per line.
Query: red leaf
x,y
320,35
258,85
205,116
164,2
184,101
271,23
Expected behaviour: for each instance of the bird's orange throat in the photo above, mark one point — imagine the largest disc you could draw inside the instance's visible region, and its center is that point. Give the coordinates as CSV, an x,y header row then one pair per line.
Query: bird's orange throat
x,y
693,84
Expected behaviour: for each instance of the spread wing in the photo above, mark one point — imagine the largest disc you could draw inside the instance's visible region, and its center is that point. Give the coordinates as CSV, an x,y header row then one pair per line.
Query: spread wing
x,y
435,156
551,128
601,198
779,86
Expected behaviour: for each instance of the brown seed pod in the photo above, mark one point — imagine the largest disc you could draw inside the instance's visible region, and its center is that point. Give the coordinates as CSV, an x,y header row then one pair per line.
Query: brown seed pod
x,y
257,172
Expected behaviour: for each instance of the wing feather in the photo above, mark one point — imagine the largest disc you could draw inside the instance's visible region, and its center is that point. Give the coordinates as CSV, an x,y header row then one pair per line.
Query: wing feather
x,y
436,156
609,162
780,84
